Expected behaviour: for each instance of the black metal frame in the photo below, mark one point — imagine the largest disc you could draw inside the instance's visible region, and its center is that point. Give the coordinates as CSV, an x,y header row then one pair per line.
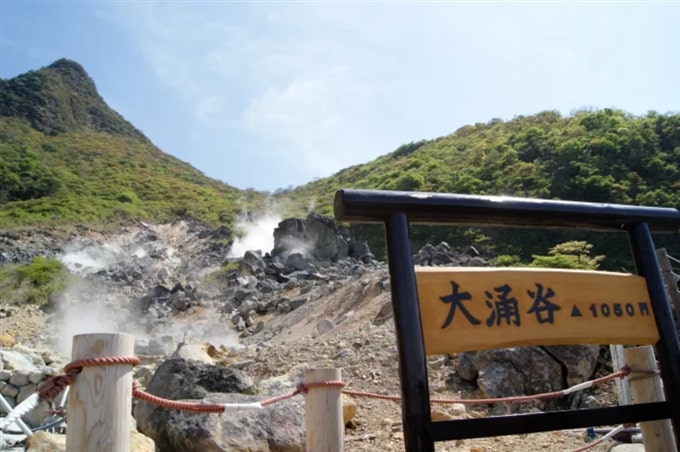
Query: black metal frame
x,y
399,209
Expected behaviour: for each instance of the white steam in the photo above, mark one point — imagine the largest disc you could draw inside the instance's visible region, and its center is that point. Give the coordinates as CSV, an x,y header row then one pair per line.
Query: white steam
x,y
89,259
258,234
95,303
86,318
292,245
86,306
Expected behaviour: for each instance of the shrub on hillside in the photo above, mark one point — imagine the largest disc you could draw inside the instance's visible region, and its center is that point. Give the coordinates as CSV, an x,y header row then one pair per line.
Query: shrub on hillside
x,y
33,283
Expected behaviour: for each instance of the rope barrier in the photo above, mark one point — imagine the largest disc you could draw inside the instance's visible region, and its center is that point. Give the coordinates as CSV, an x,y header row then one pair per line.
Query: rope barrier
x,y
53,386
514,399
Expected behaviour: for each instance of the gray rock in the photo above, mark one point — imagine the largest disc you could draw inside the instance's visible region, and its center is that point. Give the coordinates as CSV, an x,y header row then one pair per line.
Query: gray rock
x,y
324,326
250,321
254,258
297,261
25,392
500,379
187,379
516,371
241,294
529,370
35,377
317,236
8,390
248,281
258,327
247,306
235,318
278,427
443,254
246,269
241,325
359,250
328,242
579,360
155,346
297,302
19,378
16,360
465,367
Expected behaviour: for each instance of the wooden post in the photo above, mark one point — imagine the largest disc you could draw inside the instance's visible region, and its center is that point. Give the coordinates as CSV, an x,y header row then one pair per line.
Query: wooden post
x,y
657,435
669,279
323,412
618,361
100,399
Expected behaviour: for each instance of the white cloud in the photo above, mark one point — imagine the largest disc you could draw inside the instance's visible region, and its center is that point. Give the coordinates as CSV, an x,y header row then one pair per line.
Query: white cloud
x,y
305,121
325,85
275,75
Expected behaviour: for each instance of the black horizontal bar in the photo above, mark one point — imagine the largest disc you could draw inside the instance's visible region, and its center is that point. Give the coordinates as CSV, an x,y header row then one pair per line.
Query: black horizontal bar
x,y
368,206
554,420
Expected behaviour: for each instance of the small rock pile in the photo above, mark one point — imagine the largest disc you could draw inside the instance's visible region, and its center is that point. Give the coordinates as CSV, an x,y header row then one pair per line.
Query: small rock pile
x,y
310,258
22,370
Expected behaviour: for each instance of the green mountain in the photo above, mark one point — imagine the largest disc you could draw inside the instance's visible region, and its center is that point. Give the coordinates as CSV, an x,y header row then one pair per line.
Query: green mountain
x,y
66,157
597,156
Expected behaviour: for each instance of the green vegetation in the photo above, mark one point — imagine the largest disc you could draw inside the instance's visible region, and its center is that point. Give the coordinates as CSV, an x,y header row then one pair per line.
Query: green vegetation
x,y
96,178
61,98
33,283
596,156
231,266
574,255
66,158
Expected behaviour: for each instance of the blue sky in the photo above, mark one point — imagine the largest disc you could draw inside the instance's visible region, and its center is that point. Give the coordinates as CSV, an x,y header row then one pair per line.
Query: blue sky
x,y
267,95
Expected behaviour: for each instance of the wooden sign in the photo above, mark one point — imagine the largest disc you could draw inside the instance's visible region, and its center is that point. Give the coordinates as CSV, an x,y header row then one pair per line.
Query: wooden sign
x,y
465,308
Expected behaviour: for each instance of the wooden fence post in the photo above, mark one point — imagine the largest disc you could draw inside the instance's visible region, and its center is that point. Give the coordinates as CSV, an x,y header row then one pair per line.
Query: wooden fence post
x,y
100,399
323,412
622,387
657,435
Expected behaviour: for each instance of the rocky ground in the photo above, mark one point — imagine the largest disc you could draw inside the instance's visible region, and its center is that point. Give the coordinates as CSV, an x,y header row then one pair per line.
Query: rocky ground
x,y
314,310
367,356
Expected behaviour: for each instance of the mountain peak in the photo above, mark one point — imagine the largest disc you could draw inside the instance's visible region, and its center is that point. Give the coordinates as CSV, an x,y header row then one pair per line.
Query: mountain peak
x,y
61,98
72,71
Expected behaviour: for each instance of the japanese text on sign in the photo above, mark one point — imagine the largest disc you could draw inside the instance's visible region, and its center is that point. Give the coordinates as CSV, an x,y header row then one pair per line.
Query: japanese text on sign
x,y
476,308
504,307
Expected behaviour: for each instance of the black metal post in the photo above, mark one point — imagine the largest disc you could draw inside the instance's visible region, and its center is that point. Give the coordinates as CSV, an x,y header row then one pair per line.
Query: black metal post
x,y
667,349
415,402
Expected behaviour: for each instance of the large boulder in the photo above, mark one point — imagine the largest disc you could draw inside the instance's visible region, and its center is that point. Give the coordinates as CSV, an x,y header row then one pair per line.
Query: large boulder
x,y
443,254
279,427
528,370
579,361
516,371
315,237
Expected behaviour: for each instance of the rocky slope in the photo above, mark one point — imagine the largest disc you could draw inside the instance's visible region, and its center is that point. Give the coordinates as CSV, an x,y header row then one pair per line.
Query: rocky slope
x,y
244,328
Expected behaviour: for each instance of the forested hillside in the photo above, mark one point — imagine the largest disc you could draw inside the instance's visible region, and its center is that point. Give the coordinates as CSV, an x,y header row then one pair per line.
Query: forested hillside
x,y
598,156
68,158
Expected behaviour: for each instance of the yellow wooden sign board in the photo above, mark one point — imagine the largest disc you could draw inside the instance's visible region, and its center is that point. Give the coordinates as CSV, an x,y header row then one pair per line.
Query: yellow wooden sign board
x,y
466,308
